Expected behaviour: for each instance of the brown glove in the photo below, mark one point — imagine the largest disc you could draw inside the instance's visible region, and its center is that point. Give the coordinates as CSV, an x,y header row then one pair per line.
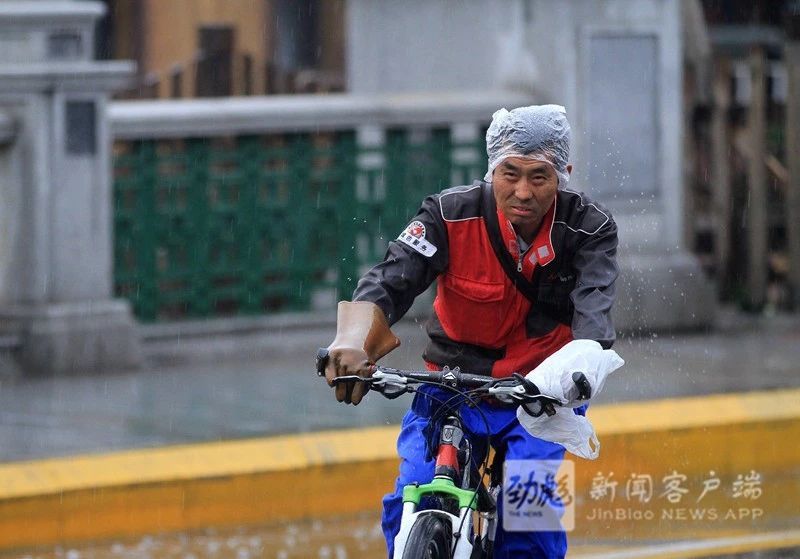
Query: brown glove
x,y
362,337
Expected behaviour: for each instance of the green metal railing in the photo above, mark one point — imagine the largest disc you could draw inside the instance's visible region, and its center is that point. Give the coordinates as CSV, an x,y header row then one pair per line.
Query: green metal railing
x,y
258,224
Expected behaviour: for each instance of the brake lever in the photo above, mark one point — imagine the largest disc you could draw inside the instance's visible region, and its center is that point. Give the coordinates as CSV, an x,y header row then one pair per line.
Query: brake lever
x,y
538,408
352,378
545,405
530,388
321,362
389,385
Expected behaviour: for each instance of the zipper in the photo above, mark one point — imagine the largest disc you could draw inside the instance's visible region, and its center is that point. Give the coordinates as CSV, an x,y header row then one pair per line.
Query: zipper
x,y
520,253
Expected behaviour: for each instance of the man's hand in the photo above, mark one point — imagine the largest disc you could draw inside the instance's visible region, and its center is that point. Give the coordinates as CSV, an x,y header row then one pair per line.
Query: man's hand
x,y
575,373
347,361
362,337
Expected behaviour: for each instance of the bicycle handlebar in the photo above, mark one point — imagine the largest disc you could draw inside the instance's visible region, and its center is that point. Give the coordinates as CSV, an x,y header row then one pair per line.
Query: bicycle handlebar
x,y
391,383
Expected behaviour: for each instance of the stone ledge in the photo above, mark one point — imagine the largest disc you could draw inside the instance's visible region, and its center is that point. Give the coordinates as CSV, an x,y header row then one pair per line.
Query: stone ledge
x,y
285,113
67,75
16,12
73,337
236,325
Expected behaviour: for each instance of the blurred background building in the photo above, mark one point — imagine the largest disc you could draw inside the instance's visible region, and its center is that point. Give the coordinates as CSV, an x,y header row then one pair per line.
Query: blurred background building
x,y
187,188
213,48
261,153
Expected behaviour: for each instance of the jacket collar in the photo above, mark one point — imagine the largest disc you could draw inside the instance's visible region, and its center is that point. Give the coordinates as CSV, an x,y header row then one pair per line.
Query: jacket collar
x,y
541,250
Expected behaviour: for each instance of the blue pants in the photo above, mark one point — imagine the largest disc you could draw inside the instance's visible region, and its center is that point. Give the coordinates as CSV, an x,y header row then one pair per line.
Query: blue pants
x,y
504,431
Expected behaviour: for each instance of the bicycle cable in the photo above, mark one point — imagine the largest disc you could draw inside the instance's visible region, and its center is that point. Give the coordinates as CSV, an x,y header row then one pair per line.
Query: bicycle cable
x,y
447,407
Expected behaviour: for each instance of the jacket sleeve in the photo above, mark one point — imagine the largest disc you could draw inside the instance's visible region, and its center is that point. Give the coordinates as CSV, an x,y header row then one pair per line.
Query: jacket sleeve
x,y
595,264
412,262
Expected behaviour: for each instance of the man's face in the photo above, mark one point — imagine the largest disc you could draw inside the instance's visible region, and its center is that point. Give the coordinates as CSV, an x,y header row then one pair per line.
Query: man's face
x,y
524,190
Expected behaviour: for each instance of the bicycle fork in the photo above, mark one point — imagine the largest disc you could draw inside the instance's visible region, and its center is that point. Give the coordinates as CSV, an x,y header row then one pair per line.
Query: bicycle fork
x,y
447,474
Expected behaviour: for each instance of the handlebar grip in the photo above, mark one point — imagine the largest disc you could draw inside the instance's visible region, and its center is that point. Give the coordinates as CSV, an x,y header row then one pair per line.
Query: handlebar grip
x,y
322,361
584,388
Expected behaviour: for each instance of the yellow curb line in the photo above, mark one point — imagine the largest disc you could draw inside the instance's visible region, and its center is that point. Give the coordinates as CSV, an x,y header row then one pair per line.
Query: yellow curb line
x,y
347,471
188,462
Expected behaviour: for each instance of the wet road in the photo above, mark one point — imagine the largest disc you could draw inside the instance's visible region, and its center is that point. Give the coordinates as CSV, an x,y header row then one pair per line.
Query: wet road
x,y
357,537
262,384
349,538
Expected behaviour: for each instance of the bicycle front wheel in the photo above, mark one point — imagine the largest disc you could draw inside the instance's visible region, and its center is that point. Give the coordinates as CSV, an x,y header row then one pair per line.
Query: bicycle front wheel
x,y
430,537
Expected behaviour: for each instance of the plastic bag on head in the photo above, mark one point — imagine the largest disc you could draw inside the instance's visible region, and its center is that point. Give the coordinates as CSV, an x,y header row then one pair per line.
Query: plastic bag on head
x,y
539,132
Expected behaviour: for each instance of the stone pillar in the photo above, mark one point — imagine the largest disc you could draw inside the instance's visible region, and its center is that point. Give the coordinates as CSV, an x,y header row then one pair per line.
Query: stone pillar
x,y
55,185
629,150
721,169
757,218
792,60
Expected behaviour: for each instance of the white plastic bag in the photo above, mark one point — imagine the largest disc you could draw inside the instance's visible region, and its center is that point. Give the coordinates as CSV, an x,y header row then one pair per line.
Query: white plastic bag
x,y
554,378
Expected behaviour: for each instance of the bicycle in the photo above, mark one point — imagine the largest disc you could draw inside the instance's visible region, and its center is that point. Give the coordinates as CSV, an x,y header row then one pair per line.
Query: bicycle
x,y
439,532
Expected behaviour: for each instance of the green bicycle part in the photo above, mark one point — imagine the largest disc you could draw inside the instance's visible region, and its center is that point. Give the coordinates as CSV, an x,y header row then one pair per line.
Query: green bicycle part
x,y
414,493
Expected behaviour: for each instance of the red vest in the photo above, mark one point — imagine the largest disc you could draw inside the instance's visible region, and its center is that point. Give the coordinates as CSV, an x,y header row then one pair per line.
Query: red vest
x,y
476,303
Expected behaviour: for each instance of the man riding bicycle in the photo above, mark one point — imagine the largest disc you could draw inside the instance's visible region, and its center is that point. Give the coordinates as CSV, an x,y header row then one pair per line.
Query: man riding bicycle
x,y
524,266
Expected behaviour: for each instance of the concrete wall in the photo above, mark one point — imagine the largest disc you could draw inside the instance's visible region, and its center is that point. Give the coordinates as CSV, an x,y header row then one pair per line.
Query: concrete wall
x,y
550,49
617,67
417,45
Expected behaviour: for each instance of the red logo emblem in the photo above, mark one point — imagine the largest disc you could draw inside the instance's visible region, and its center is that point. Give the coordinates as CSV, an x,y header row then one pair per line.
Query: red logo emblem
x,y
417,229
